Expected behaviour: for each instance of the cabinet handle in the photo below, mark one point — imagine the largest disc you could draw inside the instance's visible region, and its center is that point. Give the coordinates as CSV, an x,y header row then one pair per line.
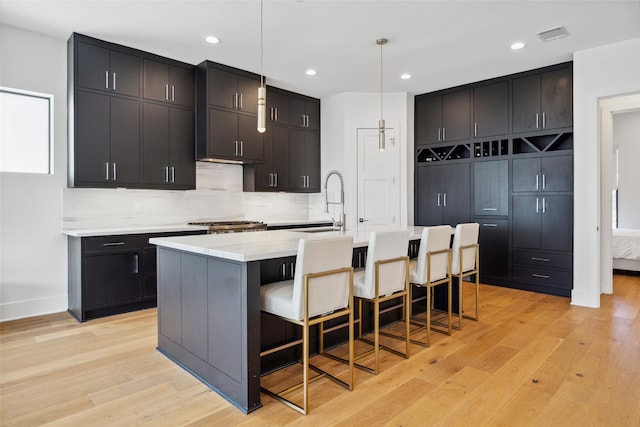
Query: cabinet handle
x,y
235,100
241,148
115,176
173,174
544,205
166,174
114,81
302,117
106,170
276,115
537,121
489,209
540,276
444,134
271,113
537,176
533,258
438,134
284,272
135,264
293,269
445,199
166,92
241,107
475,128
276,179
270,180
544,182
544,120
236,151
537,206
106,79
489,225
113,244
173,93
438,199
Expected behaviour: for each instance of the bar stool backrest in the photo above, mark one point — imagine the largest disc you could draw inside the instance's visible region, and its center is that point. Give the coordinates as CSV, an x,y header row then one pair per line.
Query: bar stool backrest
x,y
325,293
465,234
383,246
433,239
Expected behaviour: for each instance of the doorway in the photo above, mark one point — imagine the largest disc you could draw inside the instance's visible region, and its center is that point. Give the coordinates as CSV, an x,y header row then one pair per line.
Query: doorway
x,y
378,181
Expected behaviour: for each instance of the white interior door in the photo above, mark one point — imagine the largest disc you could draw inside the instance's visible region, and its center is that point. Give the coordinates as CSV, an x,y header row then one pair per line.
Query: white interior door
x,y
378,181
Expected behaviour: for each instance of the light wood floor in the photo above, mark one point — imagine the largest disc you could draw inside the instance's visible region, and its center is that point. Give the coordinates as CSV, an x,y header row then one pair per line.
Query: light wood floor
x,y
532,359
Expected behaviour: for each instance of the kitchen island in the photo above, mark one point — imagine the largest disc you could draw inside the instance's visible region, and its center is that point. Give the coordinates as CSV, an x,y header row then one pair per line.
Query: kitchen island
x,y
209,302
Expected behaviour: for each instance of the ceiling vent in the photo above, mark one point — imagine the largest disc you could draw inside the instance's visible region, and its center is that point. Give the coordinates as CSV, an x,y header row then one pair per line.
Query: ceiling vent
x,y
553,34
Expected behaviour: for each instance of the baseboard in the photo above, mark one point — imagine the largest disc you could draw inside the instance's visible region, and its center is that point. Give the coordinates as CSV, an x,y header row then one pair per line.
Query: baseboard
x,y
36,307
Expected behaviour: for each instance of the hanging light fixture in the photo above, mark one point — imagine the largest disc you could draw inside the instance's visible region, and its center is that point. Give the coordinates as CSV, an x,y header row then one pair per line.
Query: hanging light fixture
x,y
262,91
381,145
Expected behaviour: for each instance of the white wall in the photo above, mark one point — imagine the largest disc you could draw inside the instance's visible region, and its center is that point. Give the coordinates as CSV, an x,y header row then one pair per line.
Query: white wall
x,y
598,73
626,136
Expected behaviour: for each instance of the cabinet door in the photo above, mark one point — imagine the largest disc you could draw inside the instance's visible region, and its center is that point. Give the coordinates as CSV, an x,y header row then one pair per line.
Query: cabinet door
x,y
248,93
526,174
280,161
125,140
251,146
298,112
111,279
264,172
428,195
223,133
125,73
491,188
182,147
525,113
526,221
223,88
312,160
456,198
557,223
182,88
313,114
92,152
557,173
494,247
92,67
156,80
557,98
150,279
277,107
297,171
456,116
155,144
491,109
428,120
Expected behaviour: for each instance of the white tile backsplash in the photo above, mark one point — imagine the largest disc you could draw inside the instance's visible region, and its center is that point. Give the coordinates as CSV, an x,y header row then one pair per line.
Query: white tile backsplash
x,y
218,196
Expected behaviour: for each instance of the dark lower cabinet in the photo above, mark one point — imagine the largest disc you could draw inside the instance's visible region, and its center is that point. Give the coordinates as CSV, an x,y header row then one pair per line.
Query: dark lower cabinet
x,y
443,194
494,248
114,278
543,222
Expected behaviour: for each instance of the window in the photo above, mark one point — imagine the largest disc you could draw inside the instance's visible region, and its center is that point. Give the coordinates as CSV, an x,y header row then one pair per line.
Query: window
x,y
26,131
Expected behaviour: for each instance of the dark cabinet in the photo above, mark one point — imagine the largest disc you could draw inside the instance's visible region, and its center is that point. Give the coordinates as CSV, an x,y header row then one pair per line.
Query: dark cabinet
x,y
304,161
107,141
442,194
491,188
491,110
168,83
543,101
100,68
494,247
226,108
553,173
441,118
278,106
543,222
273,174
305,112
115,279
168,147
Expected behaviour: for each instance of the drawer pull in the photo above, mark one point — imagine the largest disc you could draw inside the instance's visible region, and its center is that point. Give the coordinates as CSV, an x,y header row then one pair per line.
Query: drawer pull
x,y
533,258
113,244
489,209
489,225
540,276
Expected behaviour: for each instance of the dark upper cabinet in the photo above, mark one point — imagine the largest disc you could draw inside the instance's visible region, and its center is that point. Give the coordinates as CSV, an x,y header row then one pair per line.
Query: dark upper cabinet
x,y
168,147
491,188
491,109
168,83
107,135
229,89
273,174
108,70
304,112
277,106
552,173
543,101
443,195
543,222
233,136
304,164
443,118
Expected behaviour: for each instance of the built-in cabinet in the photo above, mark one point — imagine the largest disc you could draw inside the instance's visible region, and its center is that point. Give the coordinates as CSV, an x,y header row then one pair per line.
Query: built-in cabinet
x,y
443,118
521,175
130,119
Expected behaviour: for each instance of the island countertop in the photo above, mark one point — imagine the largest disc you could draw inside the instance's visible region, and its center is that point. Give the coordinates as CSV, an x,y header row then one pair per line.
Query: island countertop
x,y
259,245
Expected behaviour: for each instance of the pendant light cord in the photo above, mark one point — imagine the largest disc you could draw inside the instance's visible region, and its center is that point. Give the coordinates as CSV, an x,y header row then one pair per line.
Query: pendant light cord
x,y
381,79
261,46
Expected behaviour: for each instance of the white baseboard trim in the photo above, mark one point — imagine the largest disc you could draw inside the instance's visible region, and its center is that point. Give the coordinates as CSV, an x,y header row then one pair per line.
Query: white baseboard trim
x,y
36,307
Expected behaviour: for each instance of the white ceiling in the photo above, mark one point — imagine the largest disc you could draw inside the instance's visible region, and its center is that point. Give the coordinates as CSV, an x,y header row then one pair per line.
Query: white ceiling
x,y
441,43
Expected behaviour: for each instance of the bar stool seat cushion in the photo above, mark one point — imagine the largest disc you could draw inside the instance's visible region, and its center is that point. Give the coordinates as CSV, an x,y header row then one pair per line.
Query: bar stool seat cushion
x,y
277,298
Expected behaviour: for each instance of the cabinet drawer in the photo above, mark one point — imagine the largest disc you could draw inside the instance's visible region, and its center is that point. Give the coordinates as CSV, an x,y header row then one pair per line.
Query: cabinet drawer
x,y
543,277
111,244
543,259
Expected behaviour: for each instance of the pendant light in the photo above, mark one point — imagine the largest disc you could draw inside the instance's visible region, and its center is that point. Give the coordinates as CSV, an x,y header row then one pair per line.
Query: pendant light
x,y
381,130
262,91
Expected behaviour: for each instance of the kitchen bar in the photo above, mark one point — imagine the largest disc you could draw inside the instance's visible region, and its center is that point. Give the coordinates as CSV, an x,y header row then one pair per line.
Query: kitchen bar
x,y
209,304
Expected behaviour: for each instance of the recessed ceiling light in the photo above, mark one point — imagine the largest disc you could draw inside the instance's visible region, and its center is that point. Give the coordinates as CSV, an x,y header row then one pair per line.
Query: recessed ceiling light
x,y
405,76
517,46
212,39
311,72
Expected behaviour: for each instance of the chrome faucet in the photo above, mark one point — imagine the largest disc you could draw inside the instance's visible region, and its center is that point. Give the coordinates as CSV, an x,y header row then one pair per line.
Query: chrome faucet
x,y
342,224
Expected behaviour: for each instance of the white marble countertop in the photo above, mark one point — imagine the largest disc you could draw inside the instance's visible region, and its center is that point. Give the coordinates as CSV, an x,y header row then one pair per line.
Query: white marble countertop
x,y
258,245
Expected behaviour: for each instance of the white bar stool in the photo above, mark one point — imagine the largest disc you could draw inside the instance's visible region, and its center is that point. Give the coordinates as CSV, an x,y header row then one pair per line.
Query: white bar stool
x,y
465,262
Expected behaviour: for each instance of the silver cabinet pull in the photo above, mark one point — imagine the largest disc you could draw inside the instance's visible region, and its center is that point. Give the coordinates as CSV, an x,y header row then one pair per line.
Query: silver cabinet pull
x,y
271,113
489,225
533,258
276,110
113,244
544,182
115,176
235,100
106,79
302,117
544,205
544,119
445,199
537,207
166,92
537,121
236,151
114,81
439,132
489,209
537,176
135,264
106,170
444,134
173,174
540,276
241,148
293,269
475,128
438,199
276,179
166,174
270,180
173,93
284,271
241,107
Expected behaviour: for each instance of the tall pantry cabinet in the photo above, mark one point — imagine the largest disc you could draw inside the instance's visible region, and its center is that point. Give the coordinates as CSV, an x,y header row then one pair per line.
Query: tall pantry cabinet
x,y
507,164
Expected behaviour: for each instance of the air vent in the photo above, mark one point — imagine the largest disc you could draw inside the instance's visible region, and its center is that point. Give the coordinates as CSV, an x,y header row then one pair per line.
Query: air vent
x,y
553,34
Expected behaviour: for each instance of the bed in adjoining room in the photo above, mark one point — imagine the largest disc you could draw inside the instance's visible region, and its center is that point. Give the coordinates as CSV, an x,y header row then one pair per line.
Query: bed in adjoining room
x,y
626,250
